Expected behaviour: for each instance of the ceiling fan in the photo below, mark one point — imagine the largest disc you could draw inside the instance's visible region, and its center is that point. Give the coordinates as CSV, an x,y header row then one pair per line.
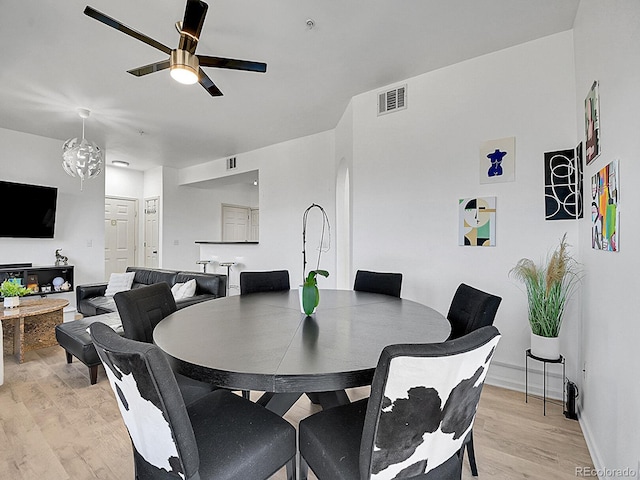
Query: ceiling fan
x,y
183,62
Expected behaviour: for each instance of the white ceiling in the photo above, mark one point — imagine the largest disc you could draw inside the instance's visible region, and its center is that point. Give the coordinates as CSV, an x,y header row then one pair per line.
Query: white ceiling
x,y
55,60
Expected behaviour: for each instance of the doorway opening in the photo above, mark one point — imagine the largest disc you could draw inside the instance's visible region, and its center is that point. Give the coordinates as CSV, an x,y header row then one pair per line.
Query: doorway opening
x,y
120,234
343,227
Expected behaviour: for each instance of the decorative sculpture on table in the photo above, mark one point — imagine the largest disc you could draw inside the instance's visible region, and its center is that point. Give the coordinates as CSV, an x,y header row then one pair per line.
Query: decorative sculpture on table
x,y
309,293
61,259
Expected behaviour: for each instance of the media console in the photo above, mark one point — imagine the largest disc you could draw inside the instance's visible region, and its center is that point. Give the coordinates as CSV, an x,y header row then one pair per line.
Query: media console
x,y
40,279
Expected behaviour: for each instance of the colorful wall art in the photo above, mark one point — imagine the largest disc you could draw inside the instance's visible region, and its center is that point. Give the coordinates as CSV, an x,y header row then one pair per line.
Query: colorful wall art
x,y
477,222
563,184
604,208
592,124
498,160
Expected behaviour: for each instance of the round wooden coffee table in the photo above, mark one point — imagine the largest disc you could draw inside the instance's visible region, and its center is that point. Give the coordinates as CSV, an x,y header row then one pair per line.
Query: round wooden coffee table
x,y
37,309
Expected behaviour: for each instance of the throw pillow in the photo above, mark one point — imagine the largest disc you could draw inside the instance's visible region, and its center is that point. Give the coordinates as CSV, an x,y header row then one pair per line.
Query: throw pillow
x,y
119,282
184,290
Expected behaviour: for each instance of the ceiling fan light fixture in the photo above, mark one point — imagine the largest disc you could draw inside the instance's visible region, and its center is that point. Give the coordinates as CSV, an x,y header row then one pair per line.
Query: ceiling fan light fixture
x,y
184,67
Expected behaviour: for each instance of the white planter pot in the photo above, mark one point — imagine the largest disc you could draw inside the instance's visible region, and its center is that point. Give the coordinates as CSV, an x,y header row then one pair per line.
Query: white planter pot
x,y
545,347
11,302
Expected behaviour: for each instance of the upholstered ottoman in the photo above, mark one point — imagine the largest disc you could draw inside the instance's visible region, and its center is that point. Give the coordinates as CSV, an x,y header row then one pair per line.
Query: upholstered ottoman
x,y
75,339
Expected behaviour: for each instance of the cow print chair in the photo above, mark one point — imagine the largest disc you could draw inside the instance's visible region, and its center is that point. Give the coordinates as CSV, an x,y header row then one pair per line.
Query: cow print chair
x,y
422,406
471,309
378,282
221,436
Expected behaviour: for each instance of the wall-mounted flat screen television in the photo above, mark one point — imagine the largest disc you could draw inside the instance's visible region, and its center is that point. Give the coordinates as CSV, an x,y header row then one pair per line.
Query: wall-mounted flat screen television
x,y
29,212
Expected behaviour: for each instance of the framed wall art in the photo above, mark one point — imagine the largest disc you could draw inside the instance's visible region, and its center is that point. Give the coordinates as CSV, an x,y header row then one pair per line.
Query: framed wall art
x,y
605,215
498,160
477,222
592,124
563,184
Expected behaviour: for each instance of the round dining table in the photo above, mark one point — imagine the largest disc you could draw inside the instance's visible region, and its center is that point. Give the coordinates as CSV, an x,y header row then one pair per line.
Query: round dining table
x,y
262,342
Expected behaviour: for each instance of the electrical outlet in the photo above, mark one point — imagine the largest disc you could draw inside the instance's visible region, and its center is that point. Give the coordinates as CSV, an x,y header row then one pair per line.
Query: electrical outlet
x,y
176,242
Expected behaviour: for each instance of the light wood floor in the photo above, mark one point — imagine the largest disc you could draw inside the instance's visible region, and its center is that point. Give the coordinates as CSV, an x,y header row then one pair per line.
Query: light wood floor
x,y
55,426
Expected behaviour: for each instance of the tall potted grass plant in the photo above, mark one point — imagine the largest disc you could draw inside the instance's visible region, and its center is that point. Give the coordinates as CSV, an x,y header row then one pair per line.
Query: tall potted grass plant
x,y
548,286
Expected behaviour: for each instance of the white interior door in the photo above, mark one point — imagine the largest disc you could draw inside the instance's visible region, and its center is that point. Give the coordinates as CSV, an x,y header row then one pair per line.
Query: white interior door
x,y
235,223
151,232
120,227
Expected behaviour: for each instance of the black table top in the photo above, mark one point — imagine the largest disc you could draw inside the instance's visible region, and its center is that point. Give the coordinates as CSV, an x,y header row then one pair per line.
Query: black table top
x,y
263,342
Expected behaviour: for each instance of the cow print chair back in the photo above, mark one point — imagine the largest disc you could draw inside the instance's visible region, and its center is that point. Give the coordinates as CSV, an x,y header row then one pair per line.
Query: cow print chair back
x,y
422,406
221,436
151,406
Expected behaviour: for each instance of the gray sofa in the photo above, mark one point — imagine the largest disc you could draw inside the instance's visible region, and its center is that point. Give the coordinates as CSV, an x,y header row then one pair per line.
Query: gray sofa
x,y
91,302
90,299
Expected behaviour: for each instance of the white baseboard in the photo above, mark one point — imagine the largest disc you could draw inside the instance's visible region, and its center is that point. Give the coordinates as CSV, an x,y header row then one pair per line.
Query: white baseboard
x,y
512,377
591,445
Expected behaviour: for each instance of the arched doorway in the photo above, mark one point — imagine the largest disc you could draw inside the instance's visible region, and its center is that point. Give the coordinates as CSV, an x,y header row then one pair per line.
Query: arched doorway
x,y
343,226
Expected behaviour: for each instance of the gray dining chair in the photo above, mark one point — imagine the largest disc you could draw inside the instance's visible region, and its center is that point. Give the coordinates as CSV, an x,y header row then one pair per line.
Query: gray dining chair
x,y
422,406
271,281
221,436
140,310
471,309
378,282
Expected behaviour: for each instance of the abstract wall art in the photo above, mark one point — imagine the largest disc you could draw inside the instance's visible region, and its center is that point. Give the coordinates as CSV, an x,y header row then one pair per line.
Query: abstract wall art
x,y
592,124
605,215
477,222
498,160
563,184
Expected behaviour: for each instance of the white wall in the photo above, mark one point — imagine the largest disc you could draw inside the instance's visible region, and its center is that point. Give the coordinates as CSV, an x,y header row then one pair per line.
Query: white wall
x,y
183,211
607,42
411,167
293,175
79,229
344,198
126,183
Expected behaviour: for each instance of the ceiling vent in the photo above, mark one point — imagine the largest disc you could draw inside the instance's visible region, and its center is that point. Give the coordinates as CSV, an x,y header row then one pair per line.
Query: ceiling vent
x,y
231,163
392,100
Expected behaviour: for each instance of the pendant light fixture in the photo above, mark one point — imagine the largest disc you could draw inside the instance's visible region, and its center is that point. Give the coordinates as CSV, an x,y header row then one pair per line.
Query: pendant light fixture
x,y
82,158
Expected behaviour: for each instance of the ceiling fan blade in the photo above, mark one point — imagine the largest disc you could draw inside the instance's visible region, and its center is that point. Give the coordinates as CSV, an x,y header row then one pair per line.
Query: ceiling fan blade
x,y
232,64
208,85
151,68
101,17
194,15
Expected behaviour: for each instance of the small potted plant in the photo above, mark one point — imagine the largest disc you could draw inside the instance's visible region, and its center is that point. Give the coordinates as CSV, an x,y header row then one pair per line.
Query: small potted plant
x,y
11,290
549,287
309,293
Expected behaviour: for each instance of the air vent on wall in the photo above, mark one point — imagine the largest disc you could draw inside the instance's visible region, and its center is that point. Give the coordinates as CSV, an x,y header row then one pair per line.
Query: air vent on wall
x,y
392,100
231,163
